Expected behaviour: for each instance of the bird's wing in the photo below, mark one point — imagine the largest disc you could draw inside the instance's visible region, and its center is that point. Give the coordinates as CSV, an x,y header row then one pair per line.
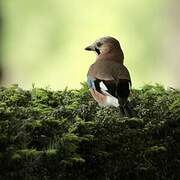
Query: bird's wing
x,y
110,80
111,88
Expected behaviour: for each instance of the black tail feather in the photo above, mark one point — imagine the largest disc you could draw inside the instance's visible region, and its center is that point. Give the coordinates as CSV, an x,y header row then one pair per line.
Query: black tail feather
x,y
128,110
125,108
122,111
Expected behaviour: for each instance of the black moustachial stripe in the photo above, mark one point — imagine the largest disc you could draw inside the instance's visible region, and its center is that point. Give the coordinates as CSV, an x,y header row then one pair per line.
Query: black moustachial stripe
x,y
97,50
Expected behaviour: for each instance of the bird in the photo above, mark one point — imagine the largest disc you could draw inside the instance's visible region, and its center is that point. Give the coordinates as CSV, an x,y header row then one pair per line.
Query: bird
x,y
108,78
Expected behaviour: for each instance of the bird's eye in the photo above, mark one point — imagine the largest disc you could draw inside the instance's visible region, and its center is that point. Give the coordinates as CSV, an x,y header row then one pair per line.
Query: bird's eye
x,y
99,44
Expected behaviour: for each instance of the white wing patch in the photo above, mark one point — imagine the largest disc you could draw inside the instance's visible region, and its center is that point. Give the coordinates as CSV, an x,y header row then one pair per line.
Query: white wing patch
x,y
110,100
103,86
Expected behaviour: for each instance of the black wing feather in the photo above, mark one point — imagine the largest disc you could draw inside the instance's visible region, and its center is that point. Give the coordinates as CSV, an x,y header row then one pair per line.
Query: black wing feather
x,y
119,90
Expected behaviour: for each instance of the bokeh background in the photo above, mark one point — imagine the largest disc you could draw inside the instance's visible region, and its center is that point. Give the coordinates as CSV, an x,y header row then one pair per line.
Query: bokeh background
x,y
42,42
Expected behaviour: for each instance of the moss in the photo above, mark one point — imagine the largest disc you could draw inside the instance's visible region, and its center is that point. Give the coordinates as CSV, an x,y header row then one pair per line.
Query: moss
x,y
65,135
51,152
29,153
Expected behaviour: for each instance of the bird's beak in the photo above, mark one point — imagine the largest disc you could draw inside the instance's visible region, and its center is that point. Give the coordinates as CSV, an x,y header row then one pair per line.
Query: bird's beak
x,y
90,48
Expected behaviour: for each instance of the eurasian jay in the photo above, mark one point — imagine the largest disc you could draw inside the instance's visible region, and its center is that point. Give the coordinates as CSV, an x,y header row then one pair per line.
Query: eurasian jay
x,y
108,79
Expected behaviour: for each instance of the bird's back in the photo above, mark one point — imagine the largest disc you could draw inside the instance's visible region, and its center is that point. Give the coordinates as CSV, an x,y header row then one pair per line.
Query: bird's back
x,y
108,70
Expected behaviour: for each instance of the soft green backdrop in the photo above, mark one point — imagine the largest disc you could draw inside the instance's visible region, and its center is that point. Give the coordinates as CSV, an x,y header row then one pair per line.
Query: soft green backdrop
x,y
43,41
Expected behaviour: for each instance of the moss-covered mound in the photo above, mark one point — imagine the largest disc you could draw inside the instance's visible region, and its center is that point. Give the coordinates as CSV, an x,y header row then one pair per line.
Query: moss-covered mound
x,y
64,135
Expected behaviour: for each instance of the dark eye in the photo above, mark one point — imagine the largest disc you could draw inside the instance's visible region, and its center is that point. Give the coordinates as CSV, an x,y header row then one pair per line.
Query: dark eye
x,y
99,44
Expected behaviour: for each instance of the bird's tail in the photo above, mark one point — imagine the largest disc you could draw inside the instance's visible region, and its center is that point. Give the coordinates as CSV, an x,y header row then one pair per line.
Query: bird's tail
x,y
125,108
128,110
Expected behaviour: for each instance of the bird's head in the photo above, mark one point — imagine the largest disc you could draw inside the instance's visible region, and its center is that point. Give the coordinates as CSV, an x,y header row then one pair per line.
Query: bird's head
x,y
105,47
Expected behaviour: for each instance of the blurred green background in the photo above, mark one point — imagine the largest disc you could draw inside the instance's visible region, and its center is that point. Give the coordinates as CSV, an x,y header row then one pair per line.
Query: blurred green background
x,y
43,41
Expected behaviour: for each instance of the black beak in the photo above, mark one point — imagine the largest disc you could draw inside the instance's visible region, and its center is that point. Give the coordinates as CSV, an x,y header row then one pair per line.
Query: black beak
x,y
90,48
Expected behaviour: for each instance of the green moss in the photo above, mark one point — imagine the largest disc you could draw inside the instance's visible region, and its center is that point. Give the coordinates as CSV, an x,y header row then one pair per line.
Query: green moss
x,y
29,152
157,149
16,156
65,135
51,152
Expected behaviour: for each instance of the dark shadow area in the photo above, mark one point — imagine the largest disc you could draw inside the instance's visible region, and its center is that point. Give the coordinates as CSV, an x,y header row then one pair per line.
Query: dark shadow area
x,y
1,68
